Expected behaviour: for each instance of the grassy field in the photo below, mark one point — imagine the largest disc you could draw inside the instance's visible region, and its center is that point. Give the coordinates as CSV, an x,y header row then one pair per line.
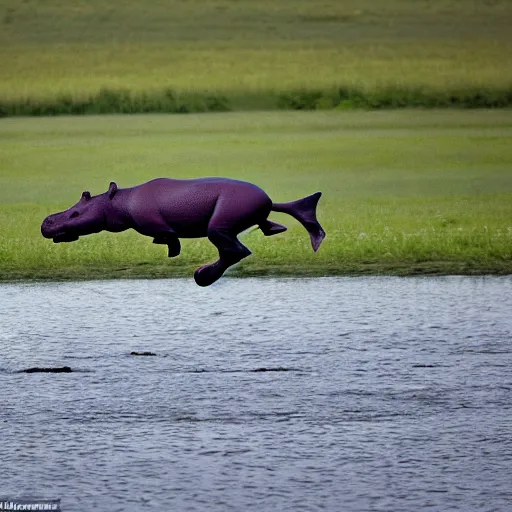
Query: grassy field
x,y
405,192
251,52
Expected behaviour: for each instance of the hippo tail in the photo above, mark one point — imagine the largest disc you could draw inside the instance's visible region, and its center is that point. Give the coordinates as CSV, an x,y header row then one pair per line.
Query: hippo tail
x,y
304,210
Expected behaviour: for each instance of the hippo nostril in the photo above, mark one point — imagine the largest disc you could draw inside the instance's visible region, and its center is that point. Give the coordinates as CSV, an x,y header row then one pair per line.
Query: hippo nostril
x,y
46,226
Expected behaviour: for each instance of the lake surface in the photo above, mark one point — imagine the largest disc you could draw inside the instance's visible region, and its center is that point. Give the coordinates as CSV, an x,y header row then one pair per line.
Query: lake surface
x,y
388,394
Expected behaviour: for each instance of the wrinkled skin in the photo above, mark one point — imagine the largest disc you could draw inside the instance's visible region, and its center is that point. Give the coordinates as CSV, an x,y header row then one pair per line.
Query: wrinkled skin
x,y
167,210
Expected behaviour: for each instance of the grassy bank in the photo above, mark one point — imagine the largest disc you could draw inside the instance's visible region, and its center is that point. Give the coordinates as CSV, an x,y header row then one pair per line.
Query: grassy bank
x,y
405,192
94,57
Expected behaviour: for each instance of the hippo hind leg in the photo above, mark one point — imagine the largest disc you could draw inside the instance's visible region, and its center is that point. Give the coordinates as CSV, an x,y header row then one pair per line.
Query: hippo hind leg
x,y
270,228
231,251
173,245
231,216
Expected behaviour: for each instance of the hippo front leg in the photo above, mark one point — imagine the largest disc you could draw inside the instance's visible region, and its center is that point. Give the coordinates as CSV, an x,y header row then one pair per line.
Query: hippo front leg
x,y
173,244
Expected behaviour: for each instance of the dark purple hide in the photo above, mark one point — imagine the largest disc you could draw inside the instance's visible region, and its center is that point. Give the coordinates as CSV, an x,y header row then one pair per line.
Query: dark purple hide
x,y
167,210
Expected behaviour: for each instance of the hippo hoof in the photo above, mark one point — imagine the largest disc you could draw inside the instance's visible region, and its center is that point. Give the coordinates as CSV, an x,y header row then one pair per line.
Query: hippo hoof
x,y
173,250
207,275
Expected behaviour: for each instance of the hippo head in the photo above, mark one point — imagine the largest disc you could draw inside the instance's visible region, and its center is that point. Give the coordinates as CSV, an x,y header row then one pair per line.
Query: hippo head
x,y
84,218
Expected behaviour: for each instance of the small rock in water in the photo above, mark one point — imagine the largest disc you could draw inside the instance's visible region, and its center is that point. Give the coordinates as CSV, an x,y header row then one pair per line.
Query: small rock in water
x,y
62,369
271,370
142,354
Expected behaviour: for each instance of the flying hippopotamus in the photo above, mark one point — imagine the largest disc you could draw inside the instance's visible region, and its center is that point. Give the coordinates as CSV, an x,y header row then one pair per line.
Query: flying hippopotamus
x,y
169,209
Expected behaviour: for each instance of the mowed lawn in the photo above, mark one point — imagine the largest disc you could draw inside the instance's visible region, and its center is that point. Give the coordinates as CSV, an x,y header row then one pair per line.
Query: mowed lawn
x,y
405,192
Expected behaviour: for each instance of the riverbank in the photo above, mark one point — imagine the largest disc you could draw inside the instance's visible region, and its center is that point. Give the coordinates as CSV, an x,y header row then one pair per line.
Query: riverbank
x,y
165,271
404,192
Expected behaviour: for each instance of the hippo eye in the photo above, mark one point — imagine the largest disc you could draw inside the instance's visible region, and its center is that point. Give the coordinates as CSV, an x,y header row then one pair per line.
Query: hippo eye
x,y
74,214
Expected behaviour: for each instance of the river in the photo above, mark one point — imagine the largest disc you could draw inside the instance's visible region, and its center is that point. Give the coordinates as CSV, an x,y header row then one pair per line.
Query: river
x,y
353,394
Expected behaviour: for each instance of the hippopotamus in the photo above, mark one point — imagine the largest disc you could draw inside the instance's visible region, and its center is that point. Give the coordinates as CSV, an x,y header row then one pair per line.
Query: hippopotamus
x,y
169,209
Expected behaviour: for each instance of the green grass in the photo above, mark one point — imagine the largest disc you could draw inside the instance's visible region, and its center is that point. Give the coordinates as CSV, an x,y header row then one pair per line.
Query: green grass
x,y
252,52
405,192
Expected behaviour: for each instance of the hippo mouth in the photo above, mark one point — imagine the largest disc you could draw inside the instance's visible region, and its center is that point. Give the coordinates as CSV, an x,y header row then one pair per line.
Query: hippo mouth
x,y
63,237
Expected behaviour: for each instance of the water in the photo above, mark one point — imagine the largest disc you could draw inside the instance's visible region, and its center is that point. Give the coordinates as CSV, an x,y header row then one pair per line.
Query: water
x,y
397,396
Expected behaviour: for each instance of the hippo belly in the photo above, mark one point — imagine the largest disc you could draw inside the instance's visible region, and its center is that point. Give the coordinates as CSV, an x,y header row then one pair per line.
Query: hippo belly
x,y
188,206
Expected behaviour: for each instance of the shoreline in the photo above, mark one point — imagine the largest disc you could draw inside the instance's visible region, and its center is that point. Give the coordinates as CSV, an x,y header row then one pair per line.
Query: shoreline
x,y
430,269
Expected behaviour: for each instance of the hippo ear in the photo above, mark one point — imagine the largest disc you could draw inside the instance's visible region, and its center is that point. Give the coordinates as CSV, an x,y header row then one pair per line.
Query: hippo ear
x,y
112,189
86,196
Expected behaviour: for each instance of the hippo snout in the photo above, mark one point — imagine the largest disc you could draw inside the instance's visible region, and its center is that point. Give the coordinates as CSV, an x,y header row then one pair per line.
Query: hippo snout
x,y
46,227
52,228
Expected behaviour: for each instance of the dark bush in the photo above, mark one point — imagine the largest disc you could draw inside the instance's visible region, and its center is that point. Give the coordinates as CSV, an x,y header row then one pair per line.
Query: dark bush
x,y
121,101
